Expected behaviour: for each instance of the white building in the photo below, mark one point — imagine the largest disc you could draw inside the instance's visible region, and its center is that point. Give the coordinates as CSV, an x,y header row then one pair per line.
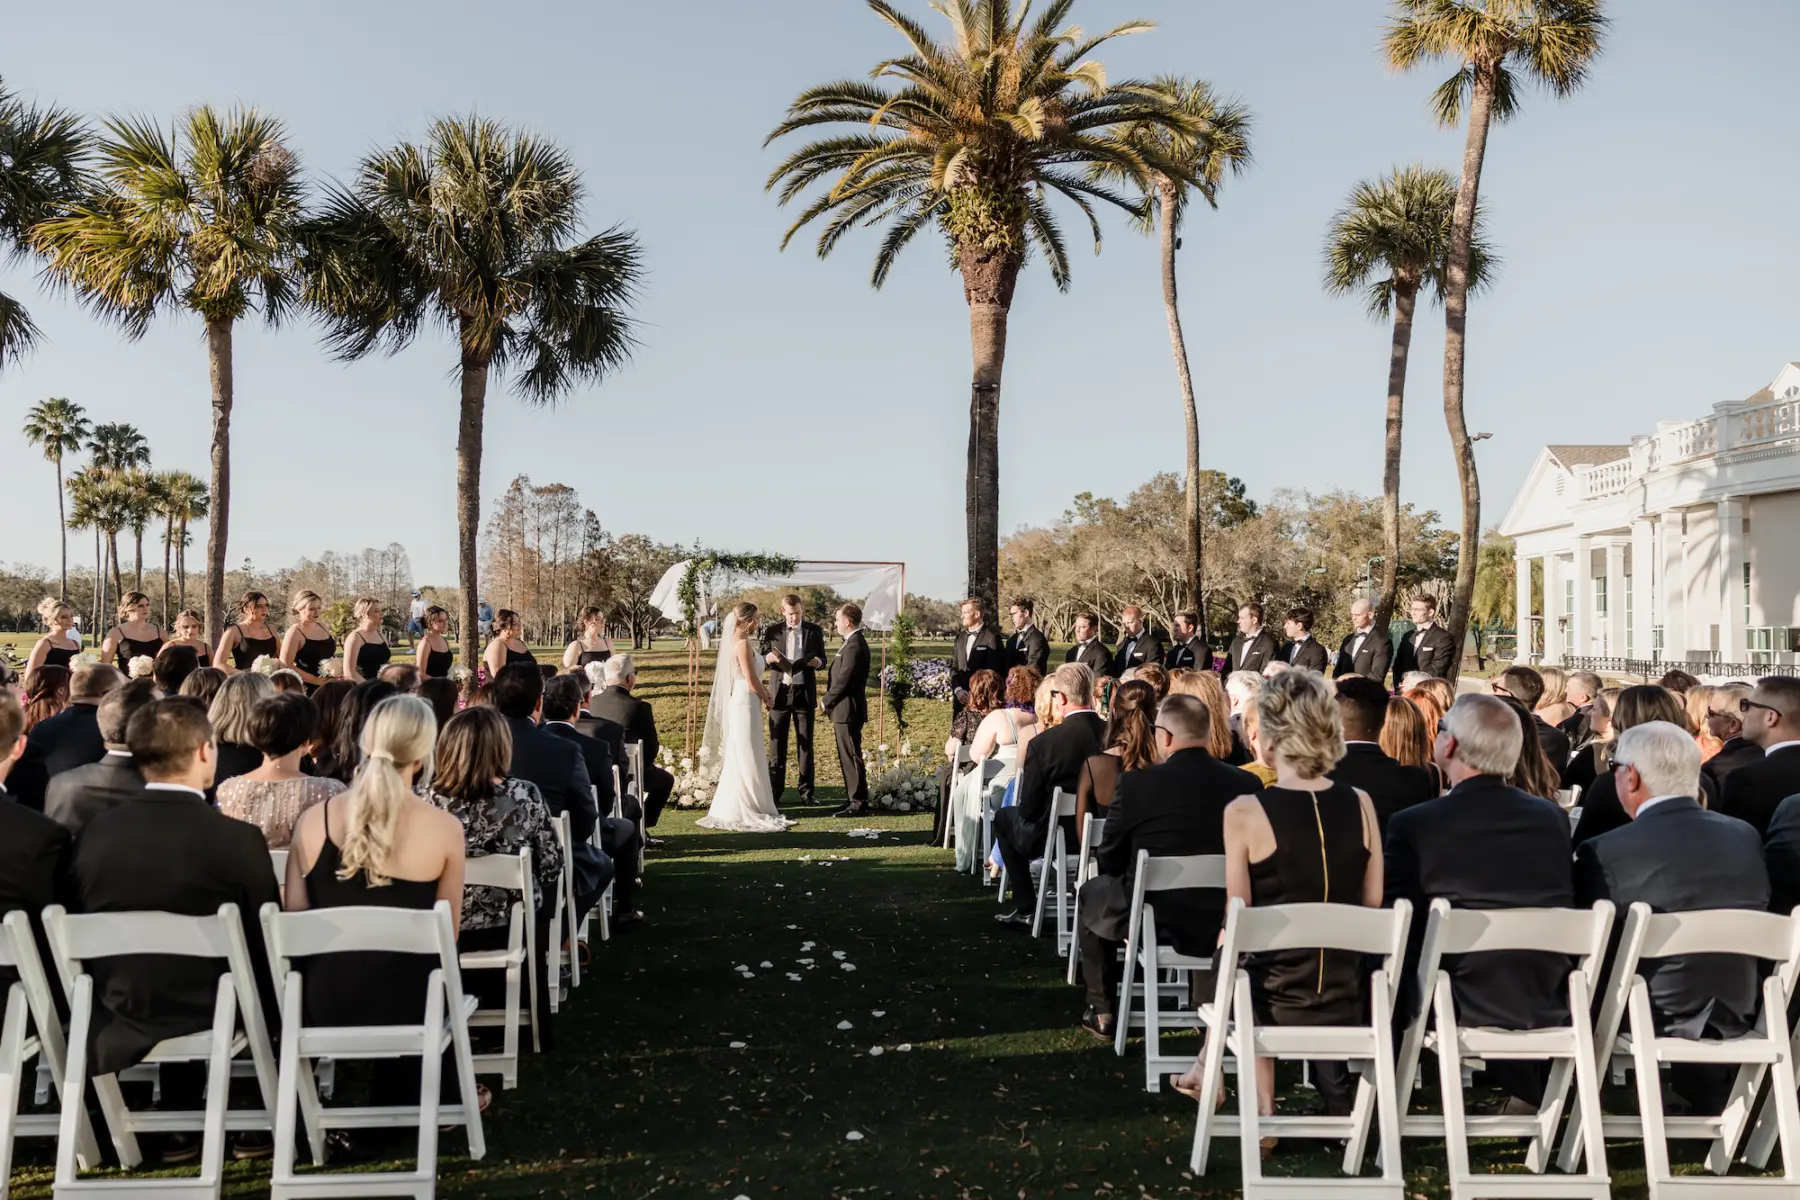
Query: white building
x,y
1680,548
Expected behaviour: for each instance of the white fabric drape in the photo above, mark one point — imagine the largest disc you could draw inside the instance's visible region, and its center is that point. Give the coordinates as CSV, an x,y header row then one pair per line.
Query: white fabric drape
x,y
878,585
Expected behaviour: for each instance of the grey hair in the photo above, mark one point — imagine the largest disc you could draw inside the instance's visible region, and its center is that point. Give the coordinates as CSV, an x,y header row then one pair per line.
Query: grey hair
x,y
1413,679
1076,682
1487,732
619,668
1666,758
1248,683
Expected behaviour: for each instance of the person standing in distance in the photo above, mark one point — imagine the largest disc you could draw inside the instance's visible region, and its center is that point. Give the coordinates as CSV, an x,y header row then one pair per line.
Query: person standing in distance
x,y
846,703
1029,647
1429,647
794,650
1366,650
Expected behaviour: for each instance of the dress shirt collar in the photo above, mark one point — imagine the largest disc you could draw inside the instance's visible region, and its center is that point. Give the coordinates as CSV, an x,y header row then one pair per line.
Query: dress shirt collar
x,y
175,787
1024,629
1780,746
118,754
564,724
1653,801
1349,742
853,633
1071,712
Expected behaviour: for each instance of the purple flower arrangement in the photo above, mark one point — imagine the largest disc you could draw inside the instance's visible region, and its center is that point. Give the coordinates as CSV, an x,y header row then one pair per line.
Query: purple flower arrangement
x,y
927,678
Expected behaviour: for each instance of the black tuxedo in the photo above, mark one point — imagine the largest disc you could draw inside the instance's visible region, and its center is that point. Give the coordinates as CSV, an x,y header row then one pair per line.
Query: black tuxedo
x,y
1735,753
794,703
610,732
1392,786
56,744
1753,791
1251,653
1433,653
1306,653
614,705
847,703
1029,649
1192,653
77,797
1053,760
1146,647
1094,654
560,772
618,835
34,864
1371,658
984,653
1781,850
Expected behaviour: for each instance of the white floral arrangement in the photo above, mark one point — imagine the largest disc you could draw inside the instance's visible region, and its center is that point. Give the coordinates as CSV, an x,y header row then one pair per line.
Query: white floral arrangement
x,y
907,784
695,781
85,659
460,675
266,664
331,668
141,667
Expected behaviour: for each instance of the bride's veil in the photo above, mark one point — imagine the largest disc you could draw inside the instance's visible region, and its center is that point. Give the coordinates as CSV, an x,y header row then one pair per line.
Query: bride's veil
x,y
712,738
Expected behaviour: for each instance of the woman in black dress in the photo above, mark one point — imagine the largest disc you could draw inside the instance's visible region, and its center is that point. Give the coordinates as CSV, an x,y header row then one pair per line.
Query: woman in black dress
x,y
508,644
134,636
188,630
591,645
308,644
58,647
366,650
433,650
250,638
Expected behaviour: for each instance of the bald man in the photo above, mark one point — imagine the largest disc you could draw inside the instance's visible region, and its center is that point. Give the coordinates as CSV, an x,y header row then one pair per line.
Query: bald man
x,y
1367,651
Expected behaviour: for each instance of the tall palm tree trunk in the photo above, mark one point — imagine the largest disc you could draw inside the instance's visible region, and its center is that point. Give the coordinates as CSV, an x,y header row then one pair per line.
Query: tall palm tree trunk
x,y
99,630
1196,584
181,564
62,524
112,555
137,561
468,494
1406,297
218,353
988,282
1456,318
168,546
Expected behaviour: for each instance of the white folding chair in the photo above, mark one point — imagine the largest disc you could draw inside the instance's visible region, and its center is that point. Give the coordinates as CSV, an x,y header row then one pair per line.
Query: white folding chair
x,y
1166,974
1369,1049
557,955
304,935
1092,830
1580,934
518,959
76,941
634,754
278,861
1056,869
959,756
31,1032
618,805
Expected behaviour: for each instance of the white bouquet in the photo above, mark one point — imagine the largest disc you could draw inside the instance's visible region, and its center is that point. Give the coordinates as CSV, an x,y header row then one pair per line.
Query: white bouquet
x,y
694,782
87,658
909,784
331,668
266,664
141,667
460,675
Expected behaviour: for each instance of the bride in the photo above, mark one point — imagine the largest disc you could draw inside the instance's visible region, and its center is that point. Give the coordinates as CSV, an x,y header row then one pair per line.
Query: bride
x,y
744,800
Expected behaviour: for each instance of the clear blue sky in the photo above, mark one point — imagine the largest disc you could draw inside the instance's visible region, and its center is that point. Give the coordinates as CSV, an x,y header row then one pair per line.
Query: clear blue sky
x,y
779,403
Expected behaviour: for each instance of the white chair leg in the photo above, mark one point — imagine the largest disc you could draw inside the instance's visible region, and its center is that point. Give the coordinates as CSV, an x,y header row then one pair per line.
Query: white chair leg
x,y
287,1090
1152,1016
12,1070
431,1081
1249,1087
1389,1108
218,1083
1649,1088
1456,1133
1212,1082
1586,1067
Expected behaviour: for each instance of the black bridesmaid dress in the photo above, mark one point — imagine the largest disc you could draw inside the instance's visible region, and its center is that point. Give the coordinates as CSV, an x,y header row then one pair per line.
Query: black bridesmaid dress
x,y
313,652
130,648
437,664
371,657
249,649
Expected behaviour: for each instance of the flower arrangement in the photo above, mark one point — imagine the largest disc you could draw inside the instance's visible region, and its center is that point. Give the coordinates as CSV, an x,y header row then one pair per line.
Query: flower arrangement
x,y
85,659
694,781
926,679
460,675
331,668
141,667
266,664
908,784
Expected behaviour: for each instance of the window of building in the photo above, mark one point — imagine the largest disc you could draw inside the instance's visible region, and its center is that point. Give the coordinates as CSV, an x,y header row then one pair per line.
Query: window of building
x,y
1569,615
1656,639
1600,606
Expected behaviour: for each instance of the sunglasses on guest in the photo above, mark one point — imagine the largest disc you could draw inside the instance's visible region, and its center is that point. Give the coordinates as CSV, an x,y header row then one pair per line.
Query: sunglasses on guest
x,y
1744,706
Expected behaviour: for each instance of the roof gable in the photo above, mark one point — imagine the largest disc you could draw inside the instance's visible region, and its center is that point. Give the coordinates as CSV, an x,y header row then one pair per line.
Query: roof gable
x,y
1571,457
1545,498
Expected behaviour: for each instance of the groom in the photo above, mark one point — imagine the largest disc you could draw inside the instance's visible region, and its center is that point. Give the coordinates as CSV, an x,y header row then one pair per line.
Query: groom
x,y
794,650
847,703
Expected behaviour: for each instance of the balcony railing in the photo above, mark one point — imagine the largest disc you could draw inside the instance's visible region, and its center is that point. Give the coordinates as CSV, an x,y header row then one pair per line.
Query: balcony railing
x,y
1770,423
1654,668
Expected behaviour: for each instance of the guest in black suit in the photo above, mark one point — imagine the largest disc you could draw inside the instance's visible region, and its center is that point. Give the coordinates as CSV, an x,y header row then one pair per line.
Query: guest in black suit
x,y
1771,717
1366,650
976,648
1176,807
617,705
68,740
610,732
1137,643
76,797
1088,649
794,649
1527,687
1677,857
1254,647
1302,651
1725,722
1390,784
1429,647
1053,760
618,835
1028,647
560,772
1189,650
34,850
1486,845
1580,688
846,703
1640,705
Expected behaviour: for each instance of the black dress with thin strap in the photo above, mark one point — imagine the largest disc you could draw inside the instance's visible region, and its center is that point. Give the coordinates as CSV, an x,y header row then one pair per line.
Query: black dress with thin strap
x,y
313,652
371,657
588,656
61,656
1319,857
249,649
514,656
437,664
130,648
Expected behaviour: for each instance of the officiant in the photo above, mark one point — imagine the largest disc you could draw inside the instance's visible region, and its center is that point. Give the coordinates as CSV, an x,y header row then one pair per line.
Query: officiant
x,y
794,649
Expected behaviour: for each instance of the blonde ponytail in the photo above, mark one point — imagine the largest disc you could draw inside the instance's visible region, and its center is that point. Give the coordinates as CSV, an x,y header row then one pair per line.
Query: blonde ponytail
x,y
401,729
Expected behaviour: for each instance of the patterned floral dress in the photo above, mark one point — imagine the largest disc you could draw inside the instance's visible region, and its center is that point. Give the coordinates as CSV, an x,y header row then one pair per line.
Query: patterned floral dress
x,y
515,817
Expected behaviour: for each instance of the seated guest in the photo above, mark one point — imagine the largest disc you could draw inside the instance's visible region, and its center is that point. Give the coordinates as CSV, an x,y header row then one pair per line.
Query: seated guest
x,y
1176,807
1302,649
1579,691
404,676
1205,686
590,679
1259,765
274,795
618,835
46,694
616,703
67,740
1677,857
1390,785
1725,722
203,684
1405,739
287,680
1241,688
1527,687
167,850
329,698
1486,845
1592,741
1429,707
1054,761
1156,676
442,694
34,850
1698,703
174,663
343,754
1677,681
75,797
231,713
1130,746
1771,717
984,698
1000,732
1551,705
1600,810
1533,772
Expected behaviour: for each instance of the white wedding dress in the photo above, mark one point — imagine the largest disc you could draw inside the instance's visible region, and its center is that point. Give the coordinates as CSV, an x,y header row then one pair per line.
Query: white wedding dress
x,y
744,800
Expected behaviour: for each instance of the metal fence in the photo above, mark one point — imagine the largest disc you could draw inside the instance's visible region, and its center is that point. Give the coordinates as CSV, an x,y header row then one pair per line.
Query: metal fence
x,y
1652,668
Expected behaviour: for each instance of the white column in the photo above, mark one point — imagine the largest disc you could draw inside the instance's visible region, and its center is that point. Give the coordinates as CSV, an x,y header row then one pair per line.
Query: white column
x,y
1646,613
1672,594
1615,597
1522,572
1582,619
1733,643
1553,605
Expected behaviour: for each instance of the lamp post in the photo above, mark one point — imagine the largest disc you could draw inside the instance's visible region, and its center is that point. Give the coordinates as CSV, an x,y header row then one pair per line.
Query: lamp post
x,y
1369,577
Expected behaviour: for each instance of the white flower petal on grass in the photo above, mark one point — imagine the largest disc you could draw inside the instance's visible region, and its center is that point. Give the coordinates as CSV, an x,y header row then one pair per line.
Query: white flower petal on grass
x,y
878,1012
805,962
904,1047
793,976
739,1045
848,966
840,955
741,967
749,974
853,1136
793,927
845,1025
767,965
876,1051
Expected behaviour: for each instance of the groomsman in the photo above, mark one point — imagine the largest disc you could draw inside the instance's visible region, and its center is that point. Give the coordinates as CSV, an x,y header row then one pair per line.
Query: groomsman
x,y
1088,648
1302,650
977,648
1028,647
1188,650
1429,647
1367,651
1254,647
794,650
1137,644
846,702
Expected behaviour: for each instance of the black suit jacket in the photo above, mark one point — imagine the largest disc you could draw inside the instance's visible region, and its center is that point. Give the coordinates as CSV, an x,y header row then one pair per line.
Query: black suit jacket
x,y
1781,850
1054,760
77,797
61,743
1392,786
985,654
596,755
1308,654
1752,792
1252,653
1192,653
610,732
1147,647
803,694
34,865
559,769
1029,649
1486,845
1174,808
166,852
619,706
847,682
1435,654
1735,753
1601,811
1554,741
1372,659
1095,654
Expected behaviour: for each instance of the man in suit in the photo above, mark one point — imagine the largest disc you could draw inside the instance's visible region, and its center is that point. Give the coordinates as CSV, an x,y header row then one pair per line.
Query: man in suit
x,y
1302,651
1429,647
34,850
560,772
615,705
1088,649
76,797
1028,647
1486,845
794,649
976,648
1392,786
1055,760
68,740
1677,857
1579,690
1771,717
1725,722
1527,687
1137,644
168,850
1254,647
618,835
1367,650
1176,807
846,703
1189,650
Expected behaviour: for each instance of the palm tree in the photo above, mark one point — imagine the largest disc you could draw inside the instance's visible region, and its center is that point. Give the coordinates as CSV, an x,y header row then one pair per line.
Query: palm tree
x,y
184,499
58,426
141,510
474,230
1216,143
972,136
83,489
197,218
103,501
1389,241
115,449
43,152
1495,41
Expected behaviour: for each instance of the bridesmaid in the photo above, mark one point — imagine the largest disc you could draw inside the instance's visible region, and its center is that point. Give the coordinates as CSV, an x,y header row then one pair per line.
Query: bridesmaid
x,y
366,650
433,650
508,644
307,644
189,629
592,645
251,638
134,635
56,648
